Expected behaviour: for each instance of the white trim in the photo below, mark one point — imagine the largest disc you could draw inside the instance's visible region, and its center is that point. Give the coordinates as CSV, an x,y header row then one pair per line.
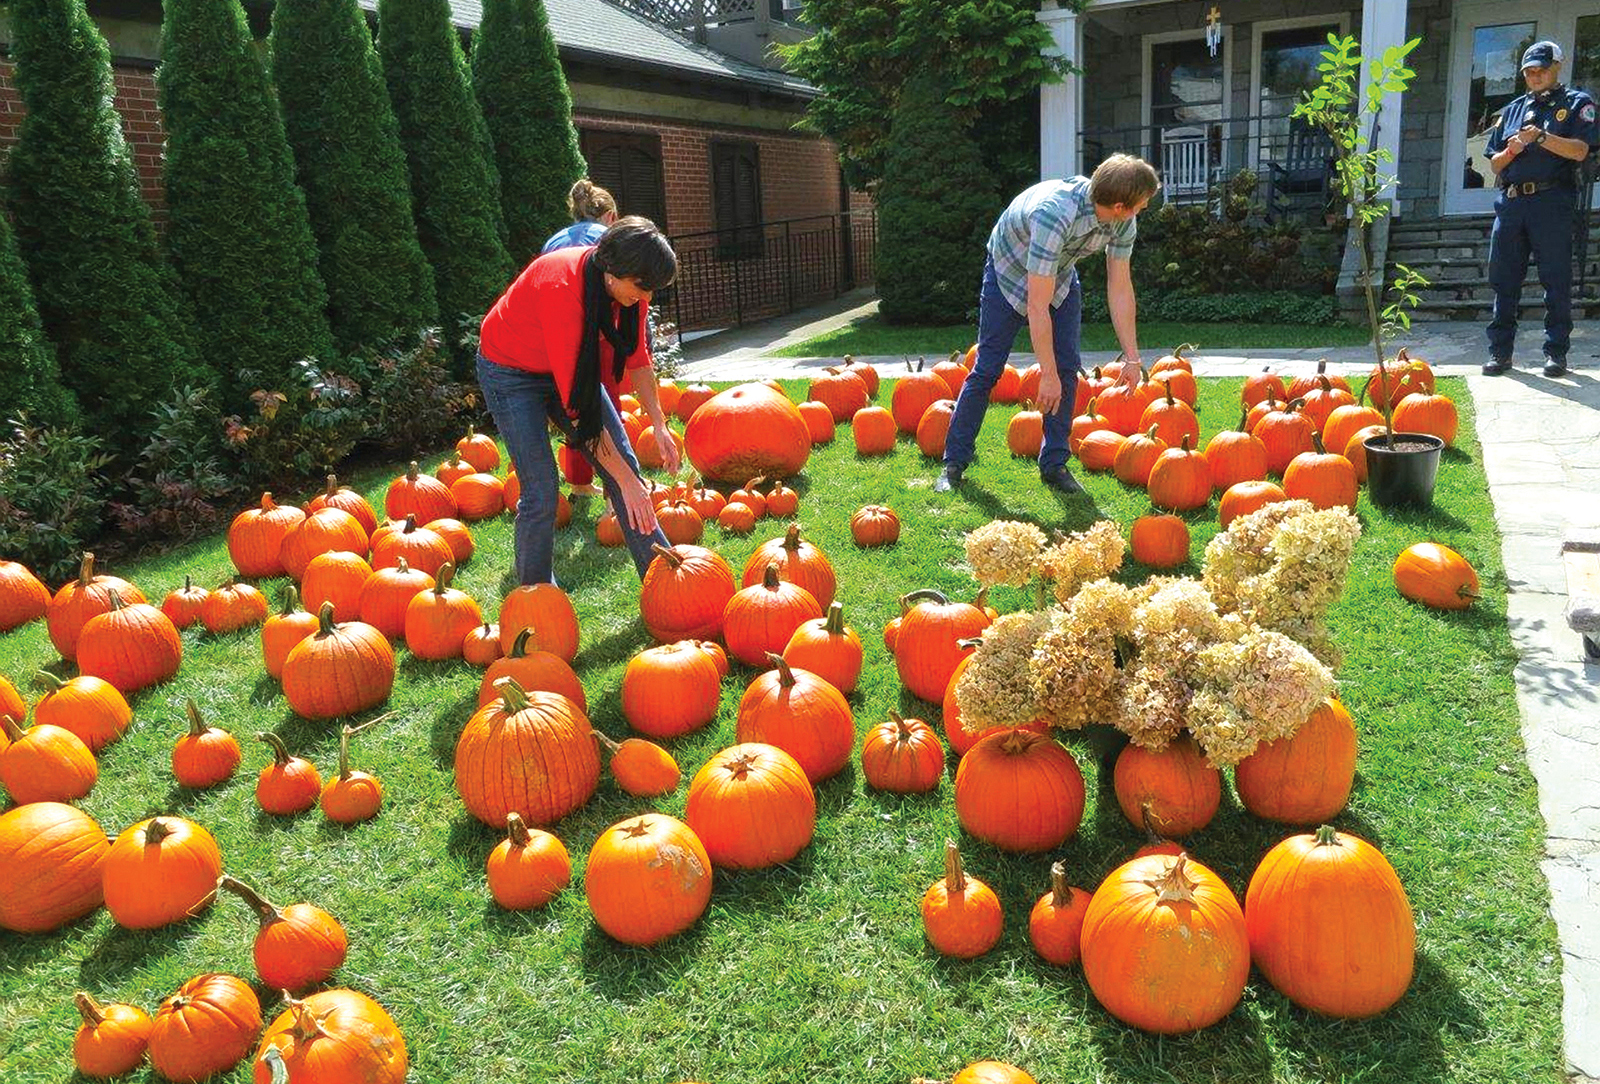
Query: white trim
x,y
1467,16
1198,34
1061,104
1261,28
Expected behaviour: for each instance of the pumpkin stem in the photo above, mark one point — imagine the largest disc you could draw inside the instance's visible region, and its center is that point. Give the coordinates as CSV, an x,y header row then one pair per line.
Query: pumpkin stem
x,y
770,580
86,567
1060,891
116,600
1167,383
273,1060
155,831
45,680
280,751
1016,742
785,672
1244,418
1177,351
1316,442
926,594
197,725
91,1010
517,830
1148,816
9,725
325,624
411,471
447,572
1294,405
291,600
898,719
971,643
1176,886
188,583
834,625
791,537
344,741
512,694
1186,442
519,646
411,523
955,878
333,485
1327,836
605,741
267,503
265,911
402,566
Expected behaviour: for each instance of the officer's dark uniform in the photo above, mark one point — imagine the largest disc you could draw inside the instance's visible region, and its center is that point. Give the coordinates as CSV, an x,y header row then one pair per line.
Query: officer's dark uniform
x,y
1534,213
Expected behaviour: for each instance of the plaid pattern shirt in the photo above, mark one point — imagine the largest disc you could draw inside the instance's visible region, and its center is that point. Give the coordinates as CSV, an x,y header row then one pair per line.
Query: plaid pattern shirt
x,y
1047,229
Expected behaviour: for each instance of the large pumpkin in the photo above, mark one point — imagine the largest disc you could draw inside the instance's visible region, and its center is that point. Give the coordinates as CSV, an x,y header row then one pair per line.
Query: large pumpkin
x,y
527,753
752,807
1306,777
1180,479
1435,575
1424,412
535,671
160,871
547,610
684,593
648,877
1020,791
746,431
323,531
801,714
206,1028
1164,945
928,645
1234,456
332,1037
760,620
51,860
914,393
1324,478
828,648
338,670
841,392
79,600
1330,926
1173,787
130,646
256,535
670,690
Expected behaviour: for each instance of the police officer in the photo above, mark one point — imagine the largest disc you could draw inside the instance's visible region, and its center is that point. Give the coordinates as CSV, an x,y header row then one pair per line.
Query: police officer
x,y
1537,142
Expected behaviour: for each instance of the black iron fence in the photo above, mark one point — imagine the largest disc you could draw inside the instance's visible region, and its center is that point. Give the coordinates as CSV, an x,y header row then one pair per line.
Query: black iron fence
x,y
727,278
1293,161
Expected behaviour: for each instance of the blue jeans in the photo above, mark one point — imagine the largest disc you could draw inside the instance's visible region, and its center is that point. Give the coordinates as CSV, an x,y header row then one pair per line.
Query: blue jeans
x,y
1540,225
524,404
998,324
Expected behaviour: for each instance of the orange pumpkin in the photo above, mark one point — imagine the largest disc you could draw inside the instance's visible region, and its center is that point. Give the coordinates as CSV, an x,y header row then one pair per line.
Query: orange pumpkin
x,y
289,784
1306,777
1235,455
933,426
752,807
478,496
182,604
297,946
1355,449
112,1038
338,670
960,914
351,796
1324,478
875,525
1242,498
160,871
928,645
1323,400
1180,790
53,855
206,755
547,610
130,646
1089,420
865,373
528,753
647,879
206,1028
1136,455
456,467
89,707
746,431
902,756
1171,418
1055,925
45,763
1425,412
1025,432
952,372
1436,576
333,1035
348,500
670,690
799,561
1020,791
323,531
1405,375
256,535
1180,480
691,399
1160,541
828,648
535,671
337,577
79,600
479,450
438,620
23,597
684,593
528,867
1343,423
1308,382
873,429
801,714
641,768
819,421
1098,451
842,393
1263,385
385,596
736,517
231,607
914,393
422,495
481,647
1285,433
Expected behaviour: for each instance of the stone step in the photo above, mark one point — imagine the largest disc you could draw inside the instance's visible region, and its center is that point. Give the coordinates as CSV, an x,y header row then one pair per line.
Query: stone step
x,y
1480,311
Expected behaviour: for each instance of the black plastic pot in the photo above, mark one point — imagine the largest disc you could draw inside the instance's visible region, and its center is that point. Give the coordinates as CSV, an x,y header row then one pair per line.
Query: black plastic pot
x,y
1403,477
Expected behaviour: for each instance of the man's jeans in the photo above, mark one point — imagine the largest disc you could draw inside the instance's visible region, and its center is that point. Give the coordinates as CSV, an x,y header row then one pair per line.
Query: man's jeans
x,y
998,324
524,404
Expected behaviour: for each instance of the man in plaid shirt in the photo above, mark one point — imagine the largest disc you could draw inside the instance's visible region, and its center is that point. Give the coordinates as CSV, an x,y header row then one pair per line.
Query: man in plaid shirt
x,y
1031,278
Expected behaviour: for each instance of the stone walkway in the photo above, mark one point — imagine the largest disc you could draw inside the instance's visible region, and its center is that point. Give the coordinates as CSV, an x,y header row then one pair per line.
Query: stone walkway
x,y
1541,452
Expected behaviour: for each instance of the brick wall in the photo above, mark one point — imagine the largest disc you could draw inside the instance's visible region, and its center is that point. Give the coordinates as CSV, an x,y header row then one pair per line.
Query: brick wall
x,y
135,100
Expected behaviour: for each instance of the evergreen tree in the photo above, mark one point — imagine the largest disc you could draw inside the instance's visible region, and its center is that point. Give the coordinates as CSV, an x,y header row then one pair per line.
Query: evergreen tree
x,y
455,189
124,332
936,205
238,232
348,160
28,369
516,72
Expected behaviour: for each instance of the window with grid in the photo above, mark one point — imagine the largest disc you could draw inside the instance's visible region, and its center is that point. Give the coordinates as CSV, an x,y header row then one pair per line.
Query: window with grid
x,y
628,165
736,199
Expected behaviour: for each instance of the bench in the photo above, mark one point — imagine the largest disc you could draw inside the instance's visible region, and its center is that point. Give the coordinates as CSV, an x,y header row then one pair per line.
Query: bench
x,y
1580,552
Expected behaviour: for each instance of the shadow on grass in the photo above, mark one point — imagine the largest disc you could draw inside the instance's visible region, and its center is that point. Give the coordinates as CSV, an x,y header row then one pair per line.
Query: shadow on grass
x,y
445,729
632,974
119,952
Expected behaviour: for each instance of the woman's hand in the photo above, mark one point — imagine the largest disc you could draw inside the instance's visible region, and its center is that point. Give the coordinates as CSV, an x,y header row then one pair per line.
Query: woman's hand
x,y
668,445
636,503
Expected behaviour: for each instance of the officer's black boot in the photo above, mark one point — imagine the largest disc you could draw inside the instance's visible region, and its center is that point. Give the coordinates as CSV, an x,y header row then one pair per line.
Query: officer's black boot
x,y
1496,366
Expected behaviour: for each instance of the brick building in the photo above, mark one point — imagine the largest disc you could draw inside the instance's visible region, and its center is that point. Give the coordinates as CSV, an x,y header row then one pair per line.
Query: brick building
x,y
701,142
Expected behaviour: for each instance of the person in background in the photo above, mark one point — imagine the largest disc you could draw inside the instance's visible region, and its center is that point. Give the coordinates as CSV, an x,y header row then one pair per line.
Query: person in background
x,y
1031,279
593,210
1534,149
570,321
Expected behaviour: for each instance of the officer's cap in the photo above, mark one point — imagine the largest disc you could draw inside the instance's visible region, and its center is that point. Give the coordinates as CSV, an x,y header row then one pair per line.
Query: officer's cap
x,y
1542,54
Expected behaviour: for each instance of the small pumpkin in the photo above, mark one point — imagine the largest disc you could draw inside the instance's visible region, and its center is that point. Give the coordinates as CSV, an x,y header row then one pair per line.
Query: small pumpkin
x,y
231,607
206,755
1025,431
481,646
782,502
45,763
1436,576
23,596
255,537
934,426
829,648
546,609
284,629
1170,418
479,496
88,706
1263,385
183,604
1324,478
1180,480
289,784
297,946
1160,541
421,495
479,449
528,867
1020,791
337,577
960,914
1242,498
438,621
419,547
759,620
111,1040
351,796
902,756
1306,777
1234,456
1055,925
1285,433
875,525
800,713
918,390
1136,455
348,500
641,768
928,645
1426,412
736,517
323,531
206,1028
874,431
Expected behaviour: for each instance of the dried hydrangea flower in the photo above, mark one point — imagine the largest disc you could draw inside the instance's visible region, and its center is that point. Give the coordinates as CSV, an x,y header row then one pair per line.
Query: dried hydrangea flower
x,y
1075,673
994,689
1258,688
1005,551
1082,558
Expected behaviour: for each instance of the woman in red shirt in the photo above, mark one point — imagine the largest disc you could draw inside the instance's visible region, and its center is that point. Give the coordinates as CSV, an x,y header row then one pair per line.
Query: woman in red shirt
x,y
571,320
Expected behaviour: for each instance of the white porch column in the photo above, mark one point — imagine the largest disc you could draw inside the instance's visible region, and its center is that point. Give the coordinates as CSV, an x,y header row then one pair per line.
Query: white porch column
x,y
1383,24
1059,103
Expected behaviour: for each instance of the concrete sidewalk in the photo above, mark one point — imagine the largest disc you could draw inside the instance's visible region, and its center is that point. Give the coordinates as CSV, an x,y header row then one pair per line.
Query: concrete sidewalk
x,y
1541,453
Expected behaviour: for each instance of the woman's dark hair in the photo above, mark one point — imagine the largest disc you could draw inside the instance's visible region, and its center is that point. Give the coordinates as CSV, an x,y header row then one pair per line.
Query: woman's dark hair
x,y
635,249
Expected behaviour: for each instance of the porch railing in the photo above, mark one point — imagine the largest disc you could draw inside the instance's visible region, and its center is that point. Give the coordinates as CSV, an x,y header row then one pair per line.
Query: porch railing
x,y
1293,162
727,278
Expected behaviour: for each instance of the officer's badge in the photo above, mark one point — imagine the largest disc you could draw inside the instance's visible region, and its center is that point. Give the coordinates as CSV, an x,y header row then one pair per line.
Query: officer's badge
x,y
1561,114
1587,112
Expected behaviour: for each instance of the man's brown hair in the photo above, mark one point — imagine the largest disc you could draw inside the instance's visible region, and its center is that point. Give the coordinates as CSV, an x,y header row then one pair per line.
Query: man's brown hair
x,y
1123,179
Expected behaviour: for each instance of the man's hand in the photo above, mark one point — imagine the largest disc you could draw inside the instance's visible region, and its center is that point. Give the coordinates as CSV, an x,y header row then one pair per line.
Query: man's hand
x,y
1526,135
636,504
669,448
1049,395
1131,369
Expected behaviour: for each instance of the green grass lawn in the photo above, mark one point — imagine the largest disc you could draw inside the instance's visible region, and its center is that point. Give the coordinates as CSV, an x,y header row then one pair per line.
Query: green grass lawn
x,y
818,971
872,335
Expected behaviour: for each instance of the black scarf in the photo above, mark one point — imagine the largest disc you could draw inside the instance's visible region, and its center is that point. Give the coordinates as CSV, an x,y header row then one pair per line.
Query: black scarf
x,y
583,399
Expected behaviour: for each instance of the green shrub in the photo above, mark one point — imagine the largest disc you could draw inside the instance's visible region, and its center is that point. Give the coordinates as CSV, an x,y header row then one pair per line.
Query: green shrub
x,y
179,483
237,227
455,189
50,496
348,160
413,401
936,206
28,369
517,76
1264,307
122,329
299,432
